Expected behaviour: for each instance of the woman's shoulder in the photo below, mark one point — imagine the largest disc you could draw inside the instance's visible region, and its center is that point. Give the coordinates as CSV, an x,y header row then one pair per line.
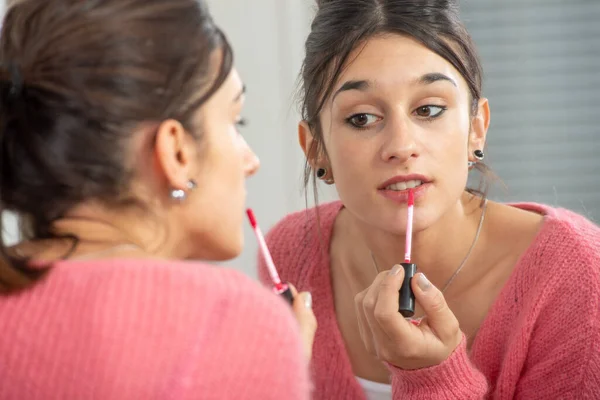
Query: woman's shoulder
x,y
209,328
304,225
245,332
565,255
193,294
566,234
299,240
166,286
194,277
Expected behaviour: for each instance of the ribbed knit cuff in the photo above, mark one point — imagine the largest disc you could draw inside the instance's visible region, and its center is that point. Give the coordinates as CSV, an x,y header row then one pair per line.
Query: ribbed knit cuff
x,y
455,378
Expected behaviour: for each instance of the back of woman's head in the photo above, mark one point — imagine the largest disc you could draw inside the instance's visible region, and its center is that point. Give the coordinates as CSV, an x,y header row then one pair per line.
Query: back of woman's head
x,y
341,26
77,78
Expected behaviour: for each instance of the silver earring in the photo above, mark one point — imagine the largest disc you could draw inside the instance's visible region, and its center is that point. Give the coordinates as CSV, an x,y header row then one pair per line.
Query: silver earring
x,y
321,173
181,194
479,156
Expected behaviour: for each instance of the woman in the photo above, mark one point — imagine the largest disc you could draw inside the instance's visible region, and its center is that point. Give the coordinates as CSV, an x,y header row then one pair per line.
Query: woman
x,y
120,150
509,293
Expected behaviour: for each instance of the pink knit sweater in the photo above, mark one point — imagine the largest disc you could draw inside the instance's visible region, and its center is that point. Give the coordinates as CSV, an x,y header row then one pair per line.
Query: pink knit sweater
x,y
540,340
148,329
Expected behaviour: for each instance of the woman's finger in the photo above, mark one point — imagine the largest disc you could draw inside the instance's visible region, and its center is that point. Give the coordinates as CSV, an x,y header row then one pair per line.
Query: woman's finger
x,y
440,318
363,325
385,313
369,303
306,318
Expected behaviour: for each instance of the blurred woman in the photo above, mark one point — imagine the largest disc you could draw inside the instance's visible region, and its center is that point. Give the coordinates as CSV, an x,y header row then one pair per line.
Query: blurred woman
x,y
120,153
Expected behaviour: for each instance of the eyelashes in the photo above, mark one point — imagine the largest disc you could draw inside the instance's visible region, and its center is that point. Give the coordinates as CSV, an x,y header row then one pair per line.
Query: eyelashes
x,y
426,111
429,112
362,120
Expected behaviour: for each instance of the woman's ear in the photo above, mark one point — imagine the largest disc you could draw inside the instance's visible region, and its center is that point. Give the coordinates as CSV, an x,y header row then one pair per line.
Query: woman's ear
x,y
479,126
307,143
175,152
312,150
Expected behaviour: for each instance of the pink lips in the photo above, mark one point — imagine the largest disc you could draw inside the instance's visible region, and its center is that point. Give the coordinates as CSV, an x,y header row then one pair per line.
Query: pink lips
x,y
404,178
402,196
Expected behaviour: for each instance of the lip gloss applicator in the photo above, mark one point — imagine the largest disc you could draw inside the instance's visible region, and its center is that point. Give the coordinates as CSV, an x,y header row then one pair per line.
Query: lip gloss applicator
x,y
278,286
406,305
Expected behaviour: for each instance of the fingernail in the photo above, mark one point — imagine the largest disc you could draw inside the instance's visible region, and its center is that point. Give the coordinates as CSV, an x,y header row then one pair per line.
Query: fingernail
x,y
308,301
395,269
423,282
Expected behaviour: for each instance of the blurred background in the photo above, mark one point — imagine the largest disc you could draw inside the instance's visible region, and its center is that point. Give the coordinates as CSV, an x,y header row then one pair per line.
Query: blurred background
x,y
541,61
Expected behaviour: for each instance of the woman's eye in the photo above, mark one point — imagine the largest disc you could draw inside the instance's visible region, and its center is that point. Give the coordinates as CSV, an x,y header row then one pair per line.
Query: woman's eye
x,y
430,111
362,120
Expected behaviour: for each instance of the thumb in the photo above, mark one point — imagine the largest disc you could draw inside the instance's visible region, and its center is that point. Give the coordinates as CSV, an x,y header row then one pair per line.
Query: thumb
x,y
440,318
302,308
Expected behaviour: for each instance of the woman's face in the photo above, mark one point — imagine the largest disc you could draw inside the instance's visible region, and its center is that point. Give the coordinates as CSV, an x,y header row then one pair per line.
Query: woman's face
x,y
399,118
226,162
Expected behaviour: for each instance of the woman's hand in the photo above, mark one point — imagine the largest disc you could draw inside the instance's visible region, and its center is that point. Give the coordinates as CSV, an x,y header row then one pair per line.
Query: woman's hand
x,y
391,338
302,307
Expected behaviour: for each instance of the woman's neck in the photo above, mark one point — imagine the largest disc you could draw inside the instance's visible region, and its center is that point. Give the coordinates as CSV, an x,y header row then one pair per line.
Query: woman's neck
x,y
93,231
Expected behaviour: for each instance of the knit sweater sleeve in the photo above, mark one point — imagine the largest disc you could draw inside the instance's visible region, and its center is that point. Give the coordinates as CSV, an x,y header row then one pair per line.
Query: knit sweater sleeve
x,y
564,351
455,378
559,332
564,354
251,324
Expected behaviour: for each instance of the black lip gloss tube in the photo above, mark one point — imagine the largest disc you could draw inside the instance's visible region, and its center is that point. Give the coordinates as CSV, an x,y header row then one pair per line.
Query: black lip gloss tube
x,y
406,303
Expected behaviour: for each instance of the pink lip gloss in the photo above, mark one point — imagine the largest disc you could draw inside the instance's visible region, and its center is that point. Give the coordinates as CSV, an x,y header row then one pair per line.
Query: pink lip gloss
x,y
406,305
279,287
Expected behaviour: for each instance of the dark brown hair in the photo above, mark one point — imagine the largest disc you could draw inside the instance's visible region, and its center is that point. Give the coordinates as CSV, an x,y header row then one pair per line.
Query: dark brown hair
x,y
76,79
340,26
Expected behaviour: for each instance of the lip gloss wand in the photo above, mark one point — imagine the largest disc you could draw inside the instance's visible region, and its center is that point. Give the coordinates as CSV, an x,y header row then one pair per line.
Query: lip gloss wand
x,y
278,286
406,305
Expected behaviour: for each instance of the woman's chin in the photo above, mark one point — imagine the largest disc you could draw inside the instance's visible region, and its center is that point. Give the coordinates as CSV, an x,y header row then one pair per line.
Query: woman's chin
x,y
395,223
226,249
